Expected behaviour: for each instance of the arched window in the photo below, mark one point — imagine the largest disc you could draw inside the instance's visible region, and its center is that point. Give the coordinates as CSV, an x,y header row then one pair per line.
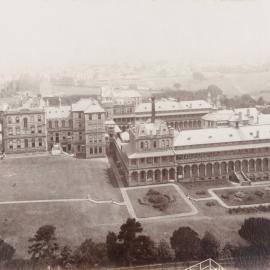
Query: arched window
x,y
50,124
56,124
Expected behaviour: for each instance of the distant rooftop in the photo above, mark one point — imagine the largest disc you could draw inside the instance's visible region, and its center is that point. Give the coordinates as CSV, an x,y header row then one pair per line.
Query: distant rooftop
x,y
87,106
58,112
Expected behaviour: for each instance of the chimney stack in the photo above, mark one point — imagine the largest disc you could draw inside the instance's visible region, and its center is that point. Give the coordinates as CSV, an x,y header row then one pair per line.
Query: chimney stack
x,y
153,117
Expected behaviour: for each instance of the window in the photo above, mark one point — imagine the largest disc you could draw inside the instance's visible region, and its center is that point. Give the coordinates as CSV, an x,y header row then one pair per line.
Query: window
x,y
80,136
32,129
142,160
25,143
39,130
100,150
10,145
79,148
90,116
9,120
17,119
149,160
146,145
51,138
156,159
155,144
91,150
50,124
95,150
18,143
99,116
79,115
39,118
142,145
56,124
133,162
10,131
64,137
70,123
40,142
17,130
63,123
25,122
33,143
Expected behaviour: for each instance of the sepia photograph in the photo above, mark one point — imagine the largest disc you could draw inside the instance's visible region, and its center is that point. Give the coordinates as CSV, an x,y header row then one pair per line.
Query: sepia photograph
x,y
135,134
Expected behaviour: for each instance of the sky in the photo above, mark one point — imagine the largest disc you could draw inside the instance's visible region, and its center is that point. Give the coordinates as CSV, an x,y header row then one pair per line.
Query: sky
x,y
41,33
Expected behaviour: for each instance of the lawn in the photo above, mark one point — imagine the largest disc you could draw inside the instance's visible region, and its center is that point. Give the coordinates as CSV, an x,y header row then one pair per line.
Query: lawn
x,y
178,206
245,196
199,189
57,178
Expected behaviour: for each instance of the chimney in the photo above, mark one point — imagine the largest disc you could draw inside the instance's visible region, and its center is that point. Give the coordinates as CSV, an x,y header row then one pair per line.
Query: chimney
x,y
153,117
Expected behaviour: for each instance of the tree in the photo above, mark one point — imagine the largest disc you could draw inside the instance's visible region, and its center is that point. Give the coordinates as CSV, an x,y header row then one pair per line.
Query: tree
x,y
209,246
65,258
114,249
186,244
6,251
127,235
256,231
143,250
260,101
44,246
164,253
90,253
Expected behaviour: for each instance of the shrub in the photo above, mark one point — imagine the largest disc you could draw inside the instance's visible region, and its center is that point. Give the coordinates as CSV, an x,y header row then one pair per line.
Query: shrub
x,y
201,192
225,196
210,203
259,193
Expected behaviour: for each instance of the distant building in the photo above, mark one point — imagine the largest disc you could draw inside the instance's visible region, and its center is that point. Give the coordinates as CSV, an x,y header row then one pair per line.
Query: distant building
x,y
24,130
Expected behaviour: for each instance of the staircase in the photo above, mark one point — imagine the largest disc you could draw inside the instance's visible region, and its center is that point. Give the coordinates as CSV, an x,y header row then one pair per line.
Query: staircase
x,y
241,178
205,265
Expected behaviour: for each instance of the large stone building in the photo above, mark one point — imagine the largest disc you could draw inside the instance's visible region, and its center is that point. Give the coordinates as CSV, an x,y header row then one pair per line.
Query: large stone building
x,y
79,128
156,153
24,130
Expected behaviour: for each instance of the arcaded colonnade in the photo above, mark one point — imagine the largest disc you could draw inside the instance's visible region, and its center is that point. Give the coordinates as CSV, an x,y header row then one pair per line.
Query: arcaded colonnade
x,y
253,168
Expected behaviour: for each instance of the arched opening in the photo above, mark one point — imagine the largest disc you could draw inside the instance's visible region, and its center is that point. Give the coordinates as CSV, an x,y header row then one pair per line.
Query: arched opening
x,y
164,175
237,165
216,169
223,168
172,174
265,164
199,124
190,124
230,167
187,171
194,170
181,125
245,166
251,165
185,124
134,177
209,169
157,176
150,176
258,165
202,170
142,176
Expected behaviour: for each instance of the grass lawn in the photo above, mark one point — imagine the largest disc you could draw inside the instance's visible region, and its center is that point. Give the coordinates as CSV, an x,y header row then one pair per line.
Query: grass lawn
x,y
55,178
177,207
199,189
244,196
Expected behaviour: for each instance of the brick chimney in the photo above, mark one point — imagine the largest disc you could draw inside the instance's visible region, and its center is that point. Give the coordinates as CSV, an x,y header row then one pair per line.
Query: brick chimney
x,y
153,116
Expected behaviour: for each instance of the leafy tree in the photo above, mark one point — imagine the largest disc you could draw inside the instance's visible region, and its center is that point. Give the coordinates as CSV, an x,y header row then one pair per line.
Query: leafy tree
x,y
143,250
127,235
6,251
209,246
164,253
115,250
65,258
90,253
256,231
44,246
260,101
186,244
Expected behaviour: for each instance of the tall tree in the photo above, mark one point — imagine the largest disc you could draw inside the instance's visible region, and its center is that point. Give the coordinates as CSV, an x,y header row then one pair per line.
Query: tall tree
x,y
143,250
209,246
256,231
115,250
65,258
186,244
44,245
164,252
127,235
6,251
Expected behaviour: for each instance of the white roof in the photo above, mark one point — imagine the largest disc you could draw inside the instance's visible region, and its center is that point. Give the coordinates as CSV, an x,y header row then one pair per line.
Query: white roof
x,y
58,112
222,135
231,115
87,106
169,105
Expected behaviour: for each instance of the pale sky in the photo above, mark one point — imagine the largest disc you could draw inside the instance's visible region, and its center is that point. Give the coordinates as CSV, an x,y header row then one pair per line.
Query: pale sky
x,y
36,33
